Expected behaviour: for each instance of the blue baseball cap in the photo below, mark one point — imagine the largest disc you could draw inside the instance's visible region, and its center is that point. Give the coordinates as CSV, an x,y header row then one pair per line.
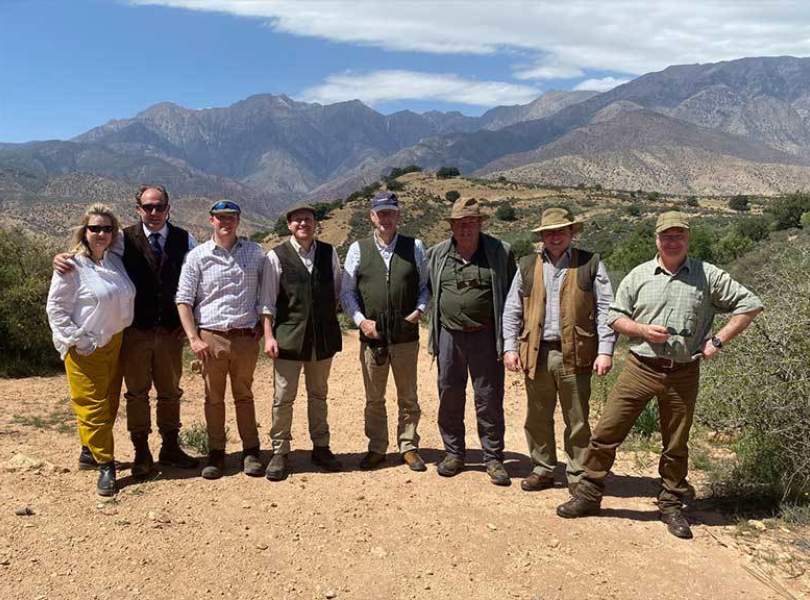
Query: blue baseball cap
x,y
222,207
384,201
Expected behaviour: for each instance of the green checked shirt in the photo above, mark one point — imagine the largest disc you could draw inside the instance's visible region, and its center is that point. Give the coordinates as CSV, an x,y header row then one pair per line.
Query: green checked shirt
x,y
684,302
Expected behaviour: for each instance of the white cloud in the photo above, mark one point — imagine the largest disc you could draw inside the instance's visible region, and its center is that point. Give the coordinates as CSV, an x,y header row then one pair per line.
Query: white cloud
x,y
381,86
621,36
600,85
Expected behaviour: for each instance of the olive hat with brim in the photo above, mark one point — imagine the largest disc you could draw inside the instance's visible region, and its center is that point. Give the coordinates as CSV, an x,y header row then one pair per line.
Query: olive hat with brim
x,y
297,207
670,220
558,218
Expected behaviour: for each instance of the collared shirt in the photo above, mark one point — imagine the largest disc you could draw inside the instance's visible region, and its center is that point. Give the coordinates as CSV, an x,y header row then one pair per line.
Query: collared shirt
x,y
466,291
272,279
223,285
89,304
349,296
117,246
684,302
553,278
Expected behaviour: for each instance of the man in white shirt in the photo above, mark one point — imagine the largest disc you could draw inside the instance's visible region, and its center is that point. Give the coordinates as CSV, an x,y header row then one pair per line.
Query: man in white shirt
x,y
301,331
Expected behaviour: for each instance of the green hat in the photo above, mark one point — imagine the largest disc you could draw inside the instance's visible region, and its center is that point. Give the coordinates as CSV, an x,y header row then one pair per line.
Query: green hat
x,y
671,219
298,207
466,207
557,218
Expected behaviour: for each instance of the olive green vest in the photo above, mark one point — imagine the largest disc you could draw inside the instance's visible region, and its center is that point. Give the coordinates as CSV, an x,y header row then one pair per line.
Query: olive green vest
x,y
578,336
306,307
387,296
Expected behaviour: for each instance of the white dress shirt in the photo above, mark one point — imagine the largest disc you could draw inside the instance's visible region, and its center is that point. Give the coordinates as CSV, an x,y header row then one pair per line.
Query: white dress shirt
x,y
89,304
272,279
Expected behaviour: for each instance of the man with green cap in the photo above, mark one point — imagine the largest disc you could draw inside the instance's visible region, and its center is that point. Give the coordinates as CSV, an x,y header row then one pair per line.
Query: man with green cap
x,y
666,306
300,292
555,332
470,274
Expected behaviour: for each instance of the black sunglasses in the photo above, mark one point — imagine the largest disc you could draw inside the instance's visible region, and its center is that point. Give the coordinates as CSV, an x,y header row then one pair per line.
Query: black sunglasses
x,y
153,208
682,332
100,228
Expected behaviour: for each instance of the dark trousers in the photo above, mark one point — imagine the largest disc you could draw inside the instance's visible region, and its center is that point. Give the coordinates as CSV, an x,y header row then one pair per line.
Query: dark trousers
x,y
461,353
637,384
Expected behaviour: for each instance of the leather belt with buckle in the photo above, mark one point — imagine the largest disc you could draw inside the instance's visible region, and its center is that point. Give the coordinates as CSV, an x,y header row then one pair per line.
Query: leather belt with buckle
x,y
661,364
233,332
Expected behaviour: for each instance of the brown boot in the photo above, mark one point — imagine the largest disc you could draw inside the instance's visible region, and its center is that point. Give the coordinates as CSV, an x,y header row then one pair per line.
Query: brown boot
x,y
143,463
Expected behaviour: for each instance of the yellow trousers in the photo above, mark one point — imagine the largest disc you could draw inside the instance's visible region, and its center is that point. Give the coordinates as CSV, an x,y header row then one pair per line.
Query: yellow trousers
x,y
95,389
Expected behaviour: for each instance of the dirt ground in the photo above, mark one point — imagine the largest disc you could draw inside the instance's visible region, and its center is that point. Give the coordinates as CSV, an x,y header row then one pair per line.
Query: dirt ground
x,y
389,533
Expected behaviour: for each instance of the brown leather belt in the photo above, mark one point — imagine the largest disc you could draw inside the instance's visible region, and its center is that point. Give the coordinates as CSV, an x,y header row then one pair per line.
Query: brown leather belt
x,y
233,332
661,364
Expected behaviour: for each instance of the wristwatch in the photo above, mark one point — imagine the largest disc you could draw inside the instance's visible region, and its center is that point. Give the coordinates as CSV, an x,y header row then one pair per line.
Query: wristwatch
x,y
717,342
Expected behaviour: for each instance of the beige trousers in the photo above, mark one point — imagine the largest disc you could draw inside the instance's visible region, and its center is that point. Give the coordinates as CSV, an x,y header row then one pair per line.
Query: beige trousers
x,y
232,356
402,361
316,377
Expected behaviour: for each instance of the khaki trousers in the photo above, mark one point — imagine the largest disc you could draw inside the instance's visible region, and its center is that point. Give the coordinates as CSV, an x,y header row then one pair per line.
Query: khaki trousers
x,y
152,357
232,356
95,388
402,361
316,377
574,390
637,384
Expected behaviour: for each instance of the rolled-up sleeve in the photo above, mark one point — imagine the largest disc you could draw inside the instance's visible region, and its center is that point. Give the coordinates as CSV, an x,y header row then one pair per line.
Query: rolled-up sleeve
x,y
730,296
422,268
270,282
189,281
604,296
348,295
513,314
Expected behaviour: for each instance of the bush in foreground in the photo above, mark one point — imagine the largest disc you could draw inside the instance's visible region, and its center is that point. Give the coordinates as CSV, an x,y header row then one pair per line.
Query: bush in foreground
x,y
26,348
759,388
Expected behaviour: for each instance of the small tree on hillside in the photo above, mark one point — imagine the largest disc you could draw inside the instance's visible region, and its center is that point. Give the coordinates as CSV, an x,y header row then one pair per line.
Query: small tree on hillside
x,y
447,172
692,201
452,196
505,212
739,203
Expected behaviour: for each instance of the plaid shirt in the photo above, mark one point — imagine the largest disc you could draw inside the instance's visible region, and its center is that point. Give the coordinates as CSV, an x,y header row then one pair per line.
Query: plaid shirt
x,y
684,302
223,285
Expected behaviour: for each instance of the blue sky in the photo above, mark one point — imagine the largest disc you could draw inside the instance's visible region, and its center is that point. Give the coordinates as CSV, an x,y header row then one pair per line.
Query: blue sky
x,y
67,66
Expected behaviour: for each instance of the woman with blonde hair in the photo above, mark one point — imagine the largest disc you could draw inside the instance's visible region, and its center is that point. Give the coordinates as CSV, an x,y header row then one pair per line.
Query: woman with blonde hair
x,y
88,309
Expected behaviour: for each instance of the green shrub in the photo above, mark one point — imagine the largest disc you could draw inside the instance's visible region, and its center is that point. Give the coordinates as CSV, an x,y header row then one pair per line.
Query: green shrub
x,y
394,185
648,421
805,219
739,203
692,201
522,247
754,228
505,212
258,236
399,171
447,172
195,437
653,196
26,347
759,386
787,212
280,228
452,196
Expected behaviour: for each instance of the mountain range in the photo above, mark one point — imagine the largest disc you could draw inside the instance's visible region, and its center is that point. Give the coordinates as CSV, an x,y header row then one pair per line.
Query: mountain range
x,y
739,126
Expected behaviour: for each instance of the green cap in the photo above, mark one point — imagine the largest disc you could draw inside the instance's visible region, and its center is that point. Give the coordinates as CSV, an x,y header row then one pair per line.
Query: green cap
x,y
297,207
671,219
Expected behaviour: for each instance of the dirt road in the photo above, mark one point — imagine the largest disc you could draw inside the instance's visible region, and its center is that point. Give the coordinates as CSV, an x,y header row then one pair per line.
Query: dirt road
x,y
385,534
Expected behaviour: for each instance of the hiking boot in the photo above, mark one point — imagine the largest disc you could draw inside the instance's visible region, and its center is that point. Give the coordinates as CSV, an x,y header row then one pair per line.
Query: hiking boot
x,y
497,473
414,461
277,468
172,455
372,460
105,486
535,482
578,507
86,460
323,457
216,465
677,524
143,463
450,466
251,465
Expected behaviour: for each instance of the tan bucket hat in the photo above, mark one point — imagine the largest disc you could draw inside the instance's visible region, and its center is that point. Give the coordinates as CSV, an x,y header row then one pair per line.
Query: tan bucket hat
x,y
557,218
671,219
466,207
